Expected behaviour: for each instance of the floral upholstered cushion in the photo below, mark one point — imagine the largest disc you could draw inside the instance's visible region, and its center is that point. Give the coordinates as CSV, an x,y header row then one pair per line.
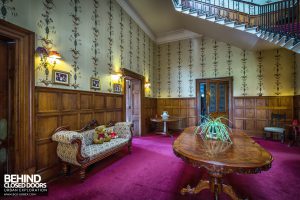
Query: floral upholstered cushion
x,y
88,136
67,136
94,150
68,152
123,129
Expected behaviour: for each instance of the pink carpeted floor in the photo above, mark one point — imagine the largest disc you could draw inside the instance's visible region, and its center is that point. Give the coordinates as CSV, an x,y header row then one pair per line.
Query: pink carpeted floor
x,y
152,171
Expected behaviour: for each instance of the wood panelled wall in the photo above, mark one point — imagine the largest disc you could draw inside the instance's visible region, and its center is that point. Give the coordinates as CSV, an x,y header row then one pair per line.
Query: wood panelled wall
x,y
58,107
181,107
252,114
297,106
150,111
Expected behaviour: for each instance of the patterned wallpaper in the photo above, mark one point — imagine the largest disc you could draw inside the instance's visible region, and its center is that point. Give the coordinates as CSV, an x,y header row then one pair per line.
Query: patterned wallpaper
x,y
267,73
95,38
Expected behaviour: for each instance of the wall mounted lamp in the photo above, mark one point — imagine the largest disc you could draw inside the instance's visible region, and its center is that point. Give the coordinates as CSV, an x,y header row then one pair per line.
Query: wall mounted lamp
x,y
47,59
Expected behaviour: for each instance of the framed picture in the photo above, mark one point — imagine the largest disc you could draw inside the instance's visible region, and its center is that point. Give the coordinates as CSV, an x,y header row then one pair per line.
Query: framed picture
x,y
95,83
117,88
61,77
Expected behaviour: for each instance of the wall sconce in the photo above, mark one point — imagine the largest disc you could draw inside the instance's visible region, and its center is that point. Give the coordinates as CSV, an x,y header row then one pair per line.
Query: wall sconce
x,y
47,59
116,76
53,56
147,85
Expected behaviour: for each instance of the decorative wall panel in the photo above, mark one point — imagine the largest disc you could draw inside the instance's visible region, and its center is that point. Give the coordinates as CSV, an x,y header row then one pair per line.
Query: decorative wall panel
x,y
252,114
58,107
185,108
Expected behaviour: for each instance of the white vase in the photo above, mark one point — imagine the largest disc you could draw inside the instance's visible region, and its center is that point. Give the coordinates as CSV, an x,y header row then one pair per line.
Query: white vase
x,y
165,115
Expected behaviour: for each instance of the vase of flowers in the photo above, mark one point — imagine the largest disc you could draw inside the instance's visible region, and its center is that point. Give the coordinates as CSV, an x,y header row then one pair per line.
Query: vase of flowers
x,y
215,134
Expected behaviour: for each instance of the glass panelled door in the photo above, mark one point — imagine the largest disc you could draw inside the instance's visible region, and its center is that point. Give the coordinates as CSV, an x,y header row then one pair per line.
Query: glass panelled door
x,y
213,98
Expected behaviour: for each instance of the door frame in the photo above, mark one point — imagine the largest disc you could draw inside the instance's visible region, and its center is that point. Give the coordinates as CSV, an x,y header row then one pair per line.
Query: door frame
x,y
230,95
131,74
24,136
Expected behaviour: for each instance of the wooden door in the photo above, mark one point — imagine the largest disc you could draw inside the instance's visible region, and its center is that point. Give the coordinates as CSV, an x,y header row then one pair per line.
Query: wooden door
x,y
136,106
128,101
6,102
213,97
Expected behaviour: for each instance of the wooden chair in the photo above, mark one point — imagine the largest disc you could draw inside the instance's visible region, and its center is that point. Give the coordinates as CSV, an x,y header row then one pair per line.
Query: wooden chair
x,y
276,126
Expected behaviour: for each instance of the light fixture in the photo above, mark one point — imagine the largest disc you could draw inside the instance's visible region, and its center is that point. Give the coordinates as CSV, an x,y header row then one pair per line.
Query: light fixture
x,y
54,55
147,84
116,76
47,59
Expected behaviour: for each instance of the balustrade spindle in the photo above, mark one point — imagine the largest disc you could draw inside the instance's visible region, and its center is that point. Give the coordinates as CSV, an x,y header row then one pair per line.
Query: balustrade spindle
x,y
288,17
293,16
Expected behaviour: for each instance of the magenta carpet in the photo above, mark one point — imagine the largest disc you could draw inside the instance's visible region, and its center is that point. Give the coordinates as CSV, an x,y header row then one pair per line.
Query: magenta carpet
x,y
152,171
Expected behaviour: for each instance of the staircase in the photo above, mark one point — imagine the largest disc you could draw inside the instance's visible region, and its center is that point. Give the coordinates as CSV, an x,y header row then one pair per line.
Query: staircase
x,y
276,22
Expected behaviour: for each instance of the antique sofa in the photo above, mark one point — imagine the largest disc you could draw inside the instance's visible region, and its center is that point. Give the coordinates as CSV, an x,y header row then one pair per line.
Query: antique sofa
x,y
77,148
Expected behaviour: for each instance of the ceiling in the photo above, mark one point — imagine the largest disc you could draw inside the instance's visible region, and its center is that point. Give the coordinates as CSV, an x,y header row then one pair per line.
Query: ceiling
x,y
161,18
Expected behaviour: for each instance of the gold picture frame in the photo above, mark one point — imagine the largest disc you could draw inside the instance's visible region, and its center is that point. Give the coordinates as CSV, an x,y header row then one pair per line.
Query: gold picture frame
x,y
117,88
61,77
95,83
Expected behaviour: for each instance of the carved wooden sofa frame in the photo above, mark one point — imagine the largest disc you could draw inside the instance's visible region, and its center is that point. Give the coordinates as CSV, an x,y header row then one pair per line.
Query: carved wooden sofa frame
x,y
86,161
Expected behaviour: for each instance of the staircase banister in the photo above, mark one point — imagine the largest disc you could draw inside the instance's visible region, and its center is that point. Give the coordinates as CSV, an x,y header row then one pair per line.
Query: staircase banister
x,y
223,8
247,2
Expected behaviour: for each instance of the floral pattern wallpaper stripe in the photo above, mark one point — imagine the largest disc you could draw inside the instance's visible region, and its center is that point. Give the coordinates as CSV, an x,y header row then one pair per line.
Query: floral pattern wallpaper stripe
x,y
110,44
121,37
169,70
260,75
130,43
95,35
215,57
277,73
191,81
75,39
138,49
202,57
6,8
229,59
158,71
179,69
244,76
47,28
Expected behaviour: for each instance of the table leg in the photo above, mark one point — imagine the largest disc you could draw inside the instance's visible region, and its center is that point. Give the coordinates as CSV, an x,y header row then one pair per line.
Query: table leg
x,y
202,185
165,127
214,184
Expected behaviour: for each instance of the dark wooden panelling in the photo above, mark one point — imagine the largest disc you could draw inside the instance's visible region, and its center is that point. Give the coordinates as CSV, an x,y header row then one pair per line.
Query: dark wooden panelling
x,y
297,106
185,108
252,114
59,107
69,102
150,111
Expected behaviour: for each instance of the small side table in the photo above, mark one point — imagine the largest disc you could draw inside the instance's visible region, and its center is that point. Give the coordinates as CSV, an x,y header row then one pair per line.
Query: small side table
x,y
165,123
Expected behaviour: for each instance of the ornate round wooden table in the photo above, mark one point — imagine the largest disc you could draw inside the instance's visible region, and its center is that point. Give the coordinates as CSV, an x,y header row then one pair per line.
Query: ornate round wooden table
x,y
244,156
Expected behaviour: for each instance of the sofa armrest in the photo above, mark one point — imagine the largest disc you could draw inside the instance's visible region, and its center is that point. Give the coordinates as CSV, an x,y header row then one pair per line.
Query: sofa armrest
x,y
71,145
67,137
124,129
